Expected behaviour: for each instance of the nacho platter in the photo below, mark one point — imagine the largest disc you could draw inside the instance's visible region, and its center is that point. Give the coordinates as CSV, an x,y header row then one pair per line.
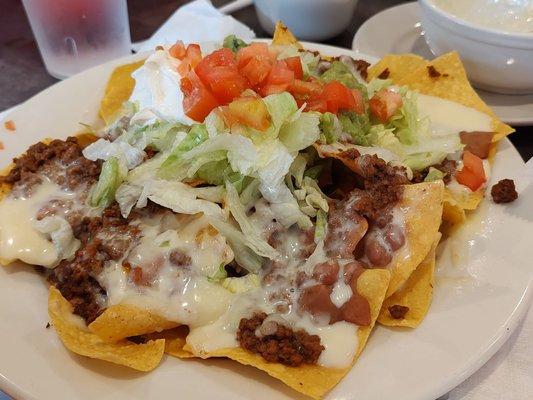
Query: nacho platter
x,y
132,333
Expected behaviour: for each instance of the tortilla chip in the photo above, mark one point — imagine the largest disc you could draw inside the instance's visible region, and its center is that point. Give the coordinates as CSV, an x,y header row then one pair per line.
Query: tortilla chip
x,y
398,66
313,380
421,205
283,36
452,85
175,340
416,294
122,321
71,330
118,90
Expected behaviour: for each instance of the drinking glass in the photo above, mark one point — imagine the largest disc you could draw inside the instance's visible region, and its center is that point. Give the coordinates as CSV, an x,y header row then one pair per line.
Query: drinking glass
x,y
74,35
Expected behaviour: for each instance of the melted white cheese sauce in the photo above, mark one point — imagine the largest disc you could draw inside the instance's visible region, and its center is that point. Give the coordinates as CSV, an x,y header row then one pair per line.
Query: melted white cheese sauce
x,y
157,89
19,238
448,117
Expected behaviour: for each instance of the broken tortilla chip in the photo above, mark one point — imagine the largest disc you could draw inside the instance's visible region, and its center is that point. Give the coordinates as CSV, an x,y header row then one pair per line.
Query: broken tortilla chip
x,y
175,340
398,65
283,36
122,321
314,380
72,331
416,294
118,89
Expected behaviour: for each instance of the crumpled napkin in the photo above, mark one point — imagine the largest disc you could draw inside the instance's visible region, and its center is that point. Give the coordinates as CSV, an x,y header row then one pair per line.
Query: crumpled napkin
x,y
197,21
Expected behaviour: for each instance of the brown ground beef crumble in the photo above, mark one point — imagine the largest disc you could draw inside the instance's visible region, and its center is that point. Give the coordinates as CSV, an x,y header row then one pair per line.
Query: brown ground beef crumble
x,y
504,191
398,312
284,346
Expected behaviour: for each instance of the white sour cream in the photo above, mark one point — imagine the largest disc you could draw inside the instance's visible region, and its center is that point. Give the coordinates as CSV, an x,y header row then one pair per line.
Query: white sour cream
x,y
157,89
505,15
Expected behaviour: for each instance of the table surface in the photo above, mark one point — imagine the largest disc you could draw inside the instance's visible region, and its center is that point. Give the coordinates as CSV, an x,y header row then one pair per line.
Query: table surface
x,y
22,73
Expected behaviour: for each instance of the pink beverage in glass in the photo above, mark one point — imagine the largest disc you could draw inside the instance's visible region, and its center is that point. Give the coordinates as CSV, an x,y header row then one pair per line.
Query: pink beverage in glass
x,y
74,35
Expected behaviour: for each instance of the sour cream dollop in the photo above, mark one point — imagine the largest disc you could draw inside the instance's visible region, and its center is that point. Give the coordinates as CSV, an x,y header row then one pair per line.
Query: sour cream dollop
x,y
157,88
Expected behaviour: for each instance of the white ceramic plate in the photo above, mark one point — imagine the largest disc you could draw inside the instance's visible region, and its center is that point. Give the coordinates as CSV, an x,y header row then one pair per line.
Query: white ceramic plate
x,y
404,34
481,293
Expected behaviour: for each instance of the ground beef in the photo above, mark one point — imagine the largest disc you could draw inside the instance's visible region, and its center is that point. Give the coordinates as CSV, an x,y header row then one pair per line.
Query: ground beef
x,y
504,191
102,238
384,74
179,259
283,345
398,312
383,187
362,67
41,157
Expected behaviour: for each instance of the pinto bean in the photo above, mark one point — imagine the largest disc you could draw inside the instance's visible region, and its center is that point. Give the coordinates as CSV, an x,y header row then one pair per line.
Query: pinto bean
x,y
395,237
326,272
316,300
377,253
350,270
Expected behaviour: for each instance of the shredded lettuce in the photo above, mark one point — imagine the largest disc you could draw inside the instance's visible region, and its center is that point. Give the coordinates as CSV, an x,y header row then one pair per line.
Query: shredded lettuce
x,y
218,276
160,135
244,255
242,284
321,225
104,150
178,197
250,231
434,175
111,176
301,133
126,197
197,135
233,43
375,85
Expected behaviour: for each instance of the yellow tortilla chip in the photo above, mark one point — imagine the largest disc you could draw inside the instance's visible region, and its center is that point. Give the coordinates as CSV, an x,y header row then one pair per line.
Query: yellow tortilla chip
x,y
398,66
175,340
283,36
422,207
122,321
313,380
118,90
71,330
452,85
416,294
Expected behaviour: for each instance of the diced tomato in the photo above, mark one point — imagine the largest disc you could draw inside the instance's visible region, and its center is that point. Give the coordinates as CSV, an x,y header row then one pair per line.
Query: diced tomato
x,y
198,101
193,56
245,54
218,58
226,83
256,69
339,97
249,111
384,104
473,173
303,89
279,79
317,104
295,65
178,50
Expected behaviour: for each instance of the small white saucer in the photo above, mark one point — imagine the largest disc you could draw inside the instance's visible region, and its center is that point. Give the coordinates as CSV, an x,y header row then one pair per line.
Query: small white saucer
x,y
398,30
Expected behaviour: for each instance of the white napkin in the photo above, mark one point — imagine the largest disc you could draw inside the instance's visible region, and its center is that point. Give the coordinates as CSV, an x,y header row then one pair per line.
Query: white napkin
x,y
197,21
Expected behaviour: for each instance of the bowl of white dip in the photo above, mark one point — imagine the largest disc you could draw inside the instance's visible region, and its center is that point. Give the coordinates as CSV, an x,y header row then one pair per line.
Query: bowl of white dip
x,y
493,37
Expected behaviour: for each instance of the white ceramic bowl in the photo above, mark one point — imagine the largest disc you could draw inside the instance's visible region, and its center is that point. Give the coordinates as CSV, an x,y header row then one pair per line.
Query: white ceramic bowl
x,y
307,19
495,60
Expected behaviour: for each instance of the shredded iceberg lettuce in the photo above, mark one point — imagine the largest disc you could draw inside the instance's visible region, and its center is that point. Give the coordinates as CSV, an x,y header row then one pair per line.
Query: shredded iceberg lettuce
x,y
434,175
321,226
301,133
104,150
341,73
111,176
61,234
357,126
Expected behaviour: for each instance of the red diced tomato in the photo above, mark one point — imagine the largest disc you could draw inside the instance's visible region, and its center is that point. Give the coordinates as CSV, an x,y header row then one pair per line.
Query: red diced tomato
x,y
248,111
278,80
218,58
317,104
384,104
193,56
198,101
256,69
339,97
473,174
245,54
178,50
303,89
226,83
295,65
